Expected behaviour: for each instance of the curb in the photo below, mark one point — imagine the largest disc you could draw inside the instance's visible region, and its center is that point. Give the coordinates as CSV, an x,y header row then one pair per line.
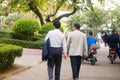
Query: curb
x,y
18,71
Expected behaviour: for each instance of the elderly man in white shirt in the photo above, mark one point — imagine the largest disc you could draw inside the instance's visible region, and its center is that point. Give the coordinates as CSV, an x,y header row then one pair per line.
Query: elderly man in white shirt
x,y
58,45
76,48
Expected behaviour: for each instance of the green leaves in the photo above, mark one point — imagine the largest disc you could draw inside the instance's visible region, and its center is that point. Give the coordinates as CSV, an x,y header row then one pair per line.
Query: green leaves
x,y
25,28
14,3
115,18
8,54
75,19
1,1
40,3
46,27
90,4
102,1
95,18
49,8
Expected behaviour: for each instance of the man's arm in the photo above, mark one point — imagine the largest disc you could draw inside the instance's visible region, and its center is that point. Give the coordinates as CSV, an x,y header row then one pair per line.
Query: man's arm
x,y
85,47
64,46
68,43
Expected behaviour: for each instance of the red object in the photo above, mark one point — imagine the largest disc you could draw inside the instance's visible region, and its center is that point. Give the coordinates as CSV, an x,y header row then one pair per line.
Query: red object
x,y
94,51
112,50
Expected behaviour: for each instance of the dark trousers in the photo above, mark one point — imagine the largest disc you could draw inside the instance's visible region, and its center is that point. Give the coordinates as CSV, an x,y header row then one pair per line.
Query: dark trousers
x,y
75,64
55,62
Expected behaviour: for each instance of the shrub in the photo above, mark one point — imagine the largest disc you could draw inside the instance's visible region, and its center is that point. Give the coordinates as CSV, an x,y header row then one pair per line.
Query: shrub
x,y
8,54
5,34
26,44
36,37
46,28
24,29
36,43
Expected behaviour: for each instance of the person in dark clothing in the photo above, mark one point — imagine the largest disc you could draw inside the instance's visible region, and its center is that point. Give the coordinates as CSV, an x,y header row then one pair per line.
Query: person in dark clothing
x,y
104,37
113,41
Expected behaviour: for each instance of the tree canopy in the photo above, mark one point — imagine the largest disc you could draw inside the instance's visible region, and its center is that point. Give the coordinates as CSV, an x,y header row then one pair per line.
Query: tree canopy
x,y
46,10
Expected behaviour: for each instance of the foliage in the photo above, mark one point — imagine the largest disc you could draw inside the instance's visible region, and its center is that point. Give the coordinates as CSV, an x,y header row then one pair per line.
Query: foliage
x,y
96,18
24,29
4,10
75,19
5,37
8,53
25,44
12,18
115,18
42,7
46,28
5,34
7,21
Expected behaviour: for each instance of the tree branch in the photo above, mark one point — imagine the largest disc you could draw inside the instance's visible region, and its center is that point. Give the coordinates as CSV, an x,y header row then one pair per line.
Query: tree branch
x,y
48,17
66,15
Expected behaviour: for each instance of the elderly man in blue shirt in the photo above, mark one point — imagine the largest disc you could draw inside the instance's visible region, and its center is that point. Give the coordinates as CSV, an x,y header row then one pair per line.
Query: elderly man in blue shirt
x,y
90,39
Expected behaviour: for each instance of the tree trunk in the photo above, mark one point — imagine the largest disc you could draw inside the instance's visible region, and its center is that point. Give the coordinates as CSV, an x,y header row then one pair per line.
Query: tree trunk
x,y
36,11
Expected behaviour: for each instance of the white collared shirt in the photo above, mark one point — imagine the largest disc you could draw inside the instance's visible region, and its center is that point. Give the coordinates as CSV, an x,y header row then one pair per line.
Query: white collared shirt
x,y
57,39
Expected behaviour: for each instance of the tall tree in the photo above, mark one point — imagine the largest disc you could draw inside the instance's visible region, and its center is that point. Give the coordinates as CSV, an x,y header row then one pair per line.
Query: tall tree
x,y
115,18
94,19
43,7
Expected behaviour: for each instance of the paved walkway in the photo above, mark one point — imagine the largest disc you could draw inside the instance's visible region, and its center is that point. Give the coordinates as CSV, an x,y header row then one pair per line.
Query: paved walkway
x,y
30,57
103,70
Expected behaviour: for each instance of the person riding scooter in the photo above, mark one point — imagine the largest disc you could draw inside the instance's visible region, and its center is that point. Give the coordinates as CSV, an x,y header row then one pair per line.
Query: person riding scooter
x,y
113,41
90,39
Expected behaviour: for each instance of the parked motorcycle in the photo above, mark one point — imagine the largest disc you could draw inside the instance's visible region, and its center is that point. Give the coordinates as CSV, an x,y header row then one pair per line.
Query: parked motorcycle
x,y
112,55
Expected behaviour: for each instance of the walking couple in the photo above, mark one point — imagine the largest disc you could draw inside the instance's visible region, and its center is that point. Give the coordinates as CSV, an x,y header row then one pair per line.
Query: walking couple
x,y
75,47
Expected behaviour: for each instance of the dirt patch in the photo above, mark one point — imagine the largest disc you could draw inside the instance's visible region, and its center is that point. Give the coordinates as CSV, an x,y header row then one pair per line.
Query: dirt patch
x,y
13,70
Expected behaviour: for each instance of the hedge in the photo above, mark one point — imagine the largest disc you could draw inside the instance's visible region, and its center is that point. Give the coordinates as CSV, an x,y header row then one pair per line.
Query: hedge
x,y
24,29
5,34
8,53
25,44
47,27
5,37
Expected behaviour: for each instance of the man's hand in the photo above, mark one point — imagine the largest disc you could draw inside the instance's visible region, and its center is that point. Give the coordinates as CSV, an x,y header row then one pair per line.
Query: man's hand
x,y
65,56
84,56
